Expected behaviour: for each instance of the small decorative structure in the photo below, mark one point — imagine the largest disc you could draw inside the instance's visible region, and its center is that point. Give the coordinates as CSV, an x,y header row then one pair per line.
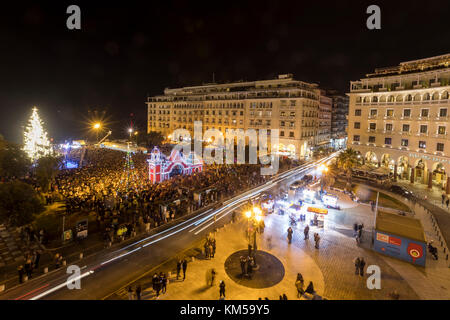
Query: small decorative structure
x,y
162,168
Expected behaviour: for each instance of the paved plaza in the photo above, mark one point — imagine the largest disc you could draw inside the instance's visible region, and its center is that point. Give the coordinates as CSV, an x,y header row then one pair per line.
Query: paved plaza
x,y
330,268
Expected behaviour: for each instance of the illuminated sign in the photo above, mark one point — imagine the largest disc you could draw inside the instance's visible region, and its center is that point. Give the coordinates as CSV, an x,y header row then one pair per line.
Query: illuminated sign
x,y
318,210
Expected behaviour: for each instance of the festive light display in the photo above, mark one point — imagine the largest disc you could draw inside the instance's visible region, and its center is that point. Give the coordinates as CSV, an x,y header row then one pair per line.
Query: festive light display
x,y
162,168
36,143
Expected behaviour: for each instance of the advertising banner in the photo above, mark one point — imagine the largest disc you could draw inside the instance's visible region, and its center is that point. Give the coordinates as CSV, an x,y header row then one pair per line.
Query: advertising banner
x,y
400,248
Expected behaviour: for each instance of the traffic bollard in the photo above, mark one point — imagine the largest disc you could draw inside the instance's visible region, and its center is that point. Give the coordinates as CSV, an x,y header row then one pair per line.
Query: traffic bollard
x,y
2,288
81,255
46,270
64,262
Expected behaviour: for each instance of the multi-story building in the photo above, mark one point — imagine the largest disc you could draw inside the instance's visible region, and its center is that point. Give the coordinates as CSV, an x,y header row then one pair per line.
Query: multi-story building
x,y
399,118
284,103
339,120
324,120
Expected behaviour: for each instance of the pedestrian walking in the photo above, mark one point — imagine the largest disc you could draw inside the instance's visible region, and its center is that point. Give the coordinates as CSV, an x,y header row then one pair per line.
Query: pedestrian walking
x,y
21,273
362,264
249,266
222,289
316,240
289,236
37,259
156,281
138,292
213,247
178,268
130,293
243,261
299,284
355,229
213,276
184,265
447,202
163,278
443,198
357,263
306,232
28,268
359,235
250,250
210,249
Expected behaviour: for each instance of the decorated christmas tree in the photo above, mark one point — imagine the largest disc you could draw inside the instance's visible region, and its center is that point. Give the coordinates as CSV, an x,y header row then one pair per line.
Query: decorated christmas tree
x,y
36,143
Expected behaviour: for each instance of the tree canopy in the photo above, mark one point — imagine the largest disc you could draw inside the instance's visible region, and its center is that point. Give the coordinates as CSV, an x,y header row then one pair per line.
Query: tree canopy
x,y
19,203
46,170
14,162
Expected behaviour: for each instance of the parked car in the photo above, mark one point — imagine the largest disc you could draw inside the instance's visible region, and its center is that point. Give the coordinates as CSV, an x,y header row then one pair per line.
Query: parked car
x,y
401,191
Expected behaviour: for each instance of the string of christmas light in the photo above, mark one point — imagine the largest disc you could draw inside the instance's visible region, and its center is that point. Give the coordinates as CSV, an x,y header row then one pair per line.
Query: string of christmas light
x,y
36,143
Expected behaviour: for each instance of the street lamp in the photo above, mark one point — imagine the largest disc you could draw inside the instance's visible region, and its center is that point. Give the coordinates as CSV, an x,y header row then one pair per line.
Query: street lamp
x,y
130,131
323,170
255,216
97,127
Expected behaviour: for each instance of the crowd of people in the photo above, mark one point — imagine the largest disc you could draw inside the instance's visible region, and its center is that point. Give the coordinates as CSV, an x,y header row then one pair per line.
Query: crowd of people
x,y
115,185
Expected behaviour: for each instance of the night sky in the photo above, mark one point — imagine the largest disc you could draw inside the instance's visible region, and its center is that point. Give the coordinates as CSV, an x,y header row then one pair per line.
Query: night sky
x,y
127,50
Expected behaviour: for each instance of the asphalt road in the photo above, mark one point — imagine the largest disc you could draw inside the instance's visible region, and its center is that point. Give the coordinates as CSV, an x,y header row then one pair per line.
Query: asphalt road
x,y
108,271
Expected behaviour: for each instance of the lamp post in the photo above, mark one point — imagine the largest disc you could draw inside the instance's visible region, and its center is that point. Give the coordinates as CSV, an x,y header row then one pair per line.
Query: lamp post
x,y
323,170
254,216
130,131
97,127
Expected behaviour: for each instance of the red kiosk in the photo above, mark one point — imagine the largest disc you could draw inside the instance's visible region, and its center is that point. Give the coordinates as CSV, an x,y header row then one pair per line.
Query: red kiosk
x,y
162,168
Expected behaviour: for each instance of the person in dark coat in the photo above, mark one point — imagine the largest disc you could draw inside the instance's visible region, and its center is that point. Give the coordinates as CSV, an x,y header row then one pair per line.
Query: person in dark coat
x,y
179,263
243,261
21,273
28,268
310,288
213,247
163,278
289,236
37,259
306,232
138,292
184,265
249,266
357,265
362,264
157,282
222,289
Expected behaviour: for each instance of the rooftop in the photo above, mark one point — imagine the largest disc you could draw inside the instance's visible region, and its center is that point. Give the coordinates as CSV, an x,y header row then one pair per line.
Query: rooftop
x,y
399,225
414,66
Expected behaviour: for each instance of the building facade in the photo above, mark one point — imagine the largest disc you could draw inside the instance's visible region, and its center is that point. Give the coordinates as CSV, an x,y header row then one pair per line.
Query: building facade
x,y
339,114
284,103
399,118
324,120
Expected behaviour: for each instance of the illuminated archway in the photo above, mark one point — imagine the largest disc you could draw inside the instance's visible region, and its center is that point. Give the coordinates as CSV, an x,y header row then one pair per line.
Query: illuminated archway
x,y
402,167
371,158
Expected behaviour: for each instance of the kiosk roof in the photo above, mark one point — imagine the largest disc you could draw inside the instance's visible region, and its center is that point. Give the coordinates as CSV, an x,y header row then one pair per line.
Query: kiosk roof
x,y
402,226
